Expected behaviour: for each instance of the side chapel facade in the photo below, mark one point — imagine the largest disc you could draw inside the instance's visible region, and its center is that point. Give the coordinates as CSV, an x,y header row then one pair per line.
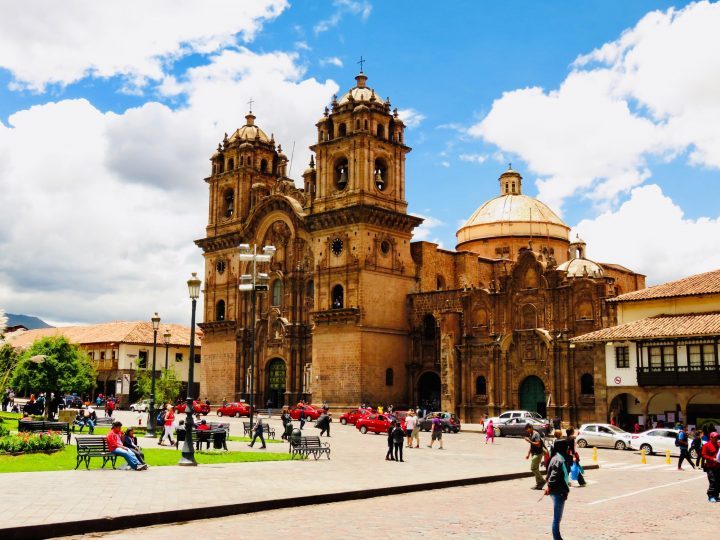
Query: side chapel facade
x,y
357,312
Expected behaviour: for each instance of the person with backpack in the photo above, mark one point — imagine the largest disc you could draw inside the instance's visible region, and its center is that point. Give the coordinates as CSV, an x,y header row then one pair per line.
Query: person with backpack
x,y
682,442
558,483
536,450
696,445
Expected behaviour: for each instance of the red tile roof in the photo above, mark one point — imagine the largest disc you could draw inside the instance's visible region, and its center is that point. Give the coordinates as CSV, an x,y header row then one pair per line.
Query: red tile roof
x,y
139,332
707,283
660,326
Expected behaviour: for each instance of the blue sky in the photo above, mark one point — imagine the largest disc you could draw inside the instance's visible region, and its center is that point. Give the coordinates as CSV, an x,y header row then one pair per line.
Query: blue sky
x,y
570,92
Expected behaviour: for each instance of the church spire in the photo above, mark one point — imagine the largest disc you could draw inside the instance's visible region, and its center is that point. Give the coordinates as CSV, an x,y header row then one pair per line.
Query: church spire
x,y
510,182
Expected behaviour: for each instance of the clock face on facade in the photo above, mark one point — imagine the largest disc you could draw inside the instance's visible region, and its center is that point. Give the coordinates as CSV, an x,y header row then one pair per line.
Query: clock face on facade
x,y
337,246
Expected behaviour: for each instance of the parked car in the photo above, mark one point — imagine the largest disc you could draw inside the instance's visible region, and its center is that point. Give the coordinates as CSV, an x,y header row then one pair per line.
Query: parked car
x,y
141,406
352,416
657,441
507,415
312,412
450,422
198,406
236,409
73,402
604,435
515,427
375,423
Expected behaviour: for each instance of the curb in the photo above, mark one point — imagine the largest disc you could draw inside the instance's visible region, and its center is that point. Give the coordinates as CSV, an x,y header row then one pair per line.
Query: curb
x,y
109,524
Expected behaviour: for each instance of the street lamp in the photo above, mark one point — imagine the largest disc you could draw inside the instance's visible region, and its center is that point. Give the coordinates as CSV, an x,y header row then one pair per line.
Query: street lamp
x,y
188,454
166,340
253,283
152,420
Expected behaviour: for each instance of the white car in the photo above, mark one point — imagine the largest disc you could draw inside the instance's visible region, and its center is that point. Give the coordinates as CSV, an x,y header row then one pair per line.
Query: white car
x,y
656,441
603,435
141,406
507,415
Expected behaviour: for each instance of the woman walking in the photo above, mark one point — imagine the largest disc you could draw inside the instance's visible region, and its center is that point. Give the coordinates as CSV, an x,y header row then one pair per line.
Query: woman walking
x,y
558,483
168,426
490,432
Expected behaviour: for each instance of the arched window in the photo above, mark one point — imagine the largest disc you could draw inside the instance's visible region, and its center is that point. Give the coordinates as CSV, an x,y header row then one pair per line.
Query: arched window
x,y
380,174
220,310
341,173
366,125
342,130
389,377
228,203
277,291
381,131
429,327
263,165
310,292
221,165
587,385
440,283
231,164
357,125
528,317
480,386
338,299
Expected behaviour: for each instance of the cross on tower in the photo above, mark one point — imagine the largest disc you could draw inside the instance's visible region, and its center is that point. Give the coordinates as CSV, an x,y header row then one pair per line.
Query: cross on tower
x,y
361,62
250,103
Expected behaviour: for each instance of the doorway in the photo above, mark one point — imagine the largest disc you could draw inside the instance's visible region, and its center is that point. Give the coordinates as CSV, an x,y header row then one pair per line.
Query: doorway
x,y
532,395
428,391
276,382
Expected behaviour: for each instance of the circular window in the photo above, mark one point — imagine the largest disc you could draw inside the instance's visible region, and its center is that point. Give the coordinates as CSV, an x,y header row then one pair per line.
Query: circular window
x,y
220,266
337,246
385,247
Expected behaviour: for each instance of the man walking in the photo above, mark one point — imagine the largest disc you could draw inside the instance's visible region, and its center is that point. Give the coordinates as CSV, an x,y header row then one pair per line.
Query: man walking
x,y
557,484
536,451
436,434
258,432
302,418
682,443
712,466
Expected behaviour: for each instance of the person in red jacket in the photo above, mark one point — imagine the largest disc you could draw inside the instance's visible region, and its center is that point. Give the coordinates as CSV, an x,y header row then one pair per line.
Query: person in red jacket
x,y
712,466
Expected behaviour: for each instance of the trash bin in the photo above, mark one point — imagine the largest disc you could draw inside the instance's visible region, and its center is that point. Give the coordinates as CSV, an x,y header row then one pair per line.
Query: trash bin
x,y
295,437
218,439
288,430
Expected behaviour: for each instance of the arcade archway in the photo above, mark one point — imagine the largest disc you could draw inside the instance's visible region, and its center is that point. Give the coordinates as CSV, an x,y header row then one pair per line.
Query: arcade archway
x,y
626,410
532,395
428,390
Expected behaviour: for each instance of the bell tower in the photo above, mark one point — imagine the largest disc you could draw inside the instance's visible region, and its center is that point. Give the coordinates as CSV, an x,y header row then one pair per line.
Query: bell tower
x,y
361,232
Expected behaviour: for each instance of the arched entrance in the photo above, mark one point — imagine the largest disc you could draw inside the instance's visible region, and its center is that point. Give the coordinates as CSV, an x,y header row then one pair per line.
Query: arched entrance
x,y
428,391
276,382
532,395
626,410
704,408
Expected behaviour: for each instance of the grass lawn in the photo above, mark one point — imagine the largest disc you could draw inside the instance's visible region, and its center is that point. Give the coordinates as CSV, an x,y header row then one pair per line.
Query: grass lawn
x,y
248,439
65,460
10,415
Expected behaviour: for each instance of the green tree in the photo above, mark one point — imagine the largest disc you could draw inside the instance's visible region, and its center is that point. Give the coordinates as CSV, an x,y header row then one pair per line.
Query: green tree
x,y
53,364
8,360
167,386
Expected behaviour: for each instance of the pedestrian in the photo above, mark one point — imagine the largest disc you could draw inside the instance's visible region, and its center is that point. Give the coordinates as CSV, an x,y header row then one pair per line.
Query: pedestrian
x,y
436,432
117,448
696,445
637,428
167,424
490,432
380,409
712,466
410,423
110,407
536,451
302,418
579,471
398,436
224,402
269,407
323,423
131,443
682,442
389,453
558,483
258,432
390,409
482,423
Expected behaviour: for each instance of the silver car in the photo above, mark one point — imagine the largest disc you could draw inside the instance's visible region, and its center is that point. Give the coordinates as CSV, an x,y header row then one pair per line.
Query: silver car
x,y
604,435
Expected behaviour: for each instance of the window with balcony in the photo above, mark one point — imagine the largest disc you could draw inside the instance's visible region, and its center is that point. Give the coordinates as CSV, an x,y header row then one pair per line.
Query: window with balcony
x,y
622,357
661,357
701,357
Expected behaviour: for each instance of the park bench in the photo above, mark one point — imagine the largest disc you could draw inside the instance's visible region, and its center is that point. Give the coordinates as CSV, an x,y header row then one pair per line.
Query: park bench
x,y
44,427
104,421
220,425
90,447
309,445
199,436
248,430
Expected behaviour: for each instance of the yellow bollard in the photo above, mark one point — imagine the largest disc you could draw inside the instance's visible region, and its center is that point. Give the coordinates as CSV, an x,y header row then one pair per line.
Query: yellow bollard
x,y
594,458
643,460
667,457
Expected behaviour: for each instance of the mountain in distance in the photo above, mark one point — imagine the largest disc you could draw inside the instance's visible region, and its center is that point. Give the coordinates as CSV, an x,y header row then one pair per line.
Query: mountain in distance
x,y
28,321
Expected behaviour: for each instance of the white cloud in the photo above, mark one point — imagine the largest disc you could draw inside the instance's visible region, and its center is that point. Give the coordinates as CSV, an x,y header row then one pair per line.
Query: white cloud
x,y
411,117
44,42
331,60
650,234
445,164
362,8
474,158
653,92
426,231
302,46
100,210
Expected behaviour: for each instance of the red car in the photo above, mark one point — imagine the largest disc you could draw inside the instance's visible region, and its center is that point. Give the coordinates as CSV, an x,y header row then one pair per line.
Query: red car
x,y
236,409
353,416
198,407
376,423
311,412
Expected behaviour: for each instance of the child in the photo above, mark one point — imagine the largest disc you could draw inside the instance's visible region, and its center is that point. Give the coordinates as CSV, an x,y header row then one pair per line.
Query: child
x,y
490,432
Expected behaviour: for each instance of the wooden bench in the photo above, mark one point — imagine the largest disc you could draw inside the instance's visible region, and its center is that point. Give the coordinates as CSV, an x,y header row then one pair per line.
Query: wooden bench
x,y
90,447
309,445
44,427
104,421
220,425
248,430
200,436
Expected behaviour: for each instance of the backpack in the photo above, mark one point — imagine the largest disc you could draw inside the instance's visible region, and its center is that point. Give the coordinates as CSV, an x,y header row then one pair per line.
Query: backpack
x,y
160,418
677,439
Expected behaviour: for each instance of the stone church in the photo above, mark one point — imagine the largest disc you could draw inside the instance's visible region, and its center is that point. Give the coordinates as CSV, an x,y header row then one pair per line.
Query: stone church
x,y
357,312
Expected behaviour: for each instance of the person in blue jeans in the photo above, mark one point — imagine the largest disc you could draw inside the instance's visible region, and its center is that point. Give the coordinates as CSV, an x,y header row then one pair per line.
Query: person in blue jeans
x,y
116,447
558,482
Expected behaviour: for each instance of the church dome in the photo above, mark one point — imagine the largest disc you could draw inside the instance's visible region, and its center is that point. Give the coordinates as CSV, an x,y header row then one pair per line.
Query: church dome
x,y
578,266
360,92
512,214
249,132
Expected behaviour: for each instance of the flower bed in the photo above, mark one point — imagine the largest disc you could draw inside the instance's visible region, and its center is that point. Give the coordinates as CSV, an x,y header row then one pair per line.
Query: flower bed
x,y
24,443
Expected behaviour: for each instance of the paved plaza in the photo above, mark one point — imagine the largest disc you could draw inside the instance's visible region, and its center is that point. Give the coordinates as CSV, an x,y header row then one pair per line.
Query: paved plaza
x,y
624,495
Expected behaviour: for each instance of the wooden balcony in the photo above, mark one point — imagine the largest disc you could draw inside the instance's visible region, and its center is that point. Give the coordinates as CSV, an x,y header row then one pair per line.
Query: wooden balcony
x,y
107,364
677,376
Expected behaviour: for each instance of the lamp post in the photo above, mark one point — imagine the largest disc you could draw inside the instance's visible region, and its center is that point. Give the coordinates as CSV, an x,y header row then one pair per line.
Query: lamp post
x,y
151,421
253,283
166,340
188,454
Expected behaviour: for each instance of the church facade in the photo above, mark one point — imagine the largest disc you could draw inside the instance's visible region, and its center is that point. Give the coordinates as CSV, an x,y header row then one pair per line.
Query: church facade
x,y
357,312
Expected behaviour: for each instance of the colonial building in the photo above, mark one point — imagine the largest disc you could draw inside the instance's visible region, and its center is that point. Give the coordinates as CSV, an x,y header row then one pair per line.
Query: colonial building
x,y
662,361
356,311
117,349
